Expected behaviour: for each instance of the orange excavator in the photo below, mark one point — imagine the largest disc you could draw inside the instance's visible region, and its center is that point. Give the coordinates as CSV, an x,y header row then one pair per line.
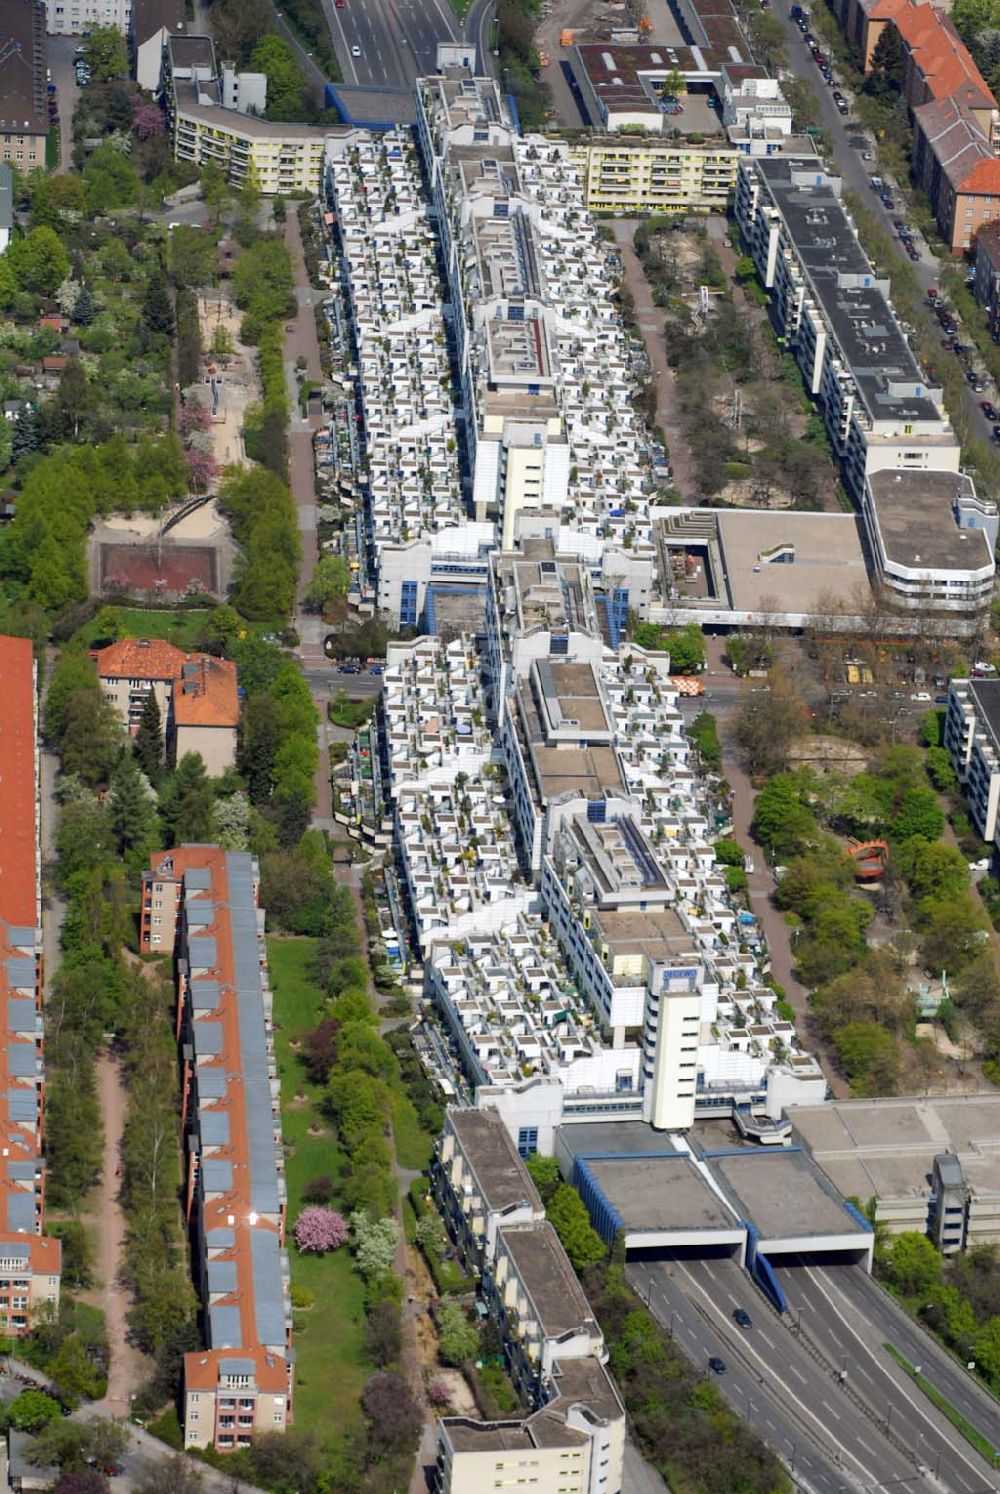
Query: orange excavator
x,y
870,857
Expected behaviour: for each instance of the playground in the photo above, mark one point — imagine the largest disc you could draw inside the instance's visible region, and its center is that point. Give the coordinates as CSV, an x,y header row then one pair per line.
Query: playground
x,y
186,551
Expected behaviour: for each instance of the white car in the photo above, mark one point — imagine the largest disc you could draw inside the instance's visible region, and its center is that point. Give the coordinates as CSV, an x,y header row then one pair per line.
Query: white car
x,y
355,51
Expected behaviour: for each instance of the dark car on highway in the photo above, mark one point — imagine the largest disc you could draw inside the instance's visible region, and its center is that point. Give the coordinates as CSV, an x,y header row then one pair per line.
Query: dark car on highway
x,y
742,1318
717,1365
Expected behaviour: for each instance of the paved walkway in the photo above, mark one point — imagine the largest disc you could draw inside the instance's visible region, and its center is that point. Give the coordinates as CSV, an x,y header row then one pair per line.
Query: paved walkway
x,y
650,318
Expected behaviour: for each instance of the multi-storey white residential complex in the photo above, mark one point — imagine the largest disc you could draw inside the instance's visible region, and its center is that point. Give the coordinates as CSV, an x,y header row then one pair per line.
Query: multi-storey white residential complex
x,y
578,939
512,413
404,376
542,355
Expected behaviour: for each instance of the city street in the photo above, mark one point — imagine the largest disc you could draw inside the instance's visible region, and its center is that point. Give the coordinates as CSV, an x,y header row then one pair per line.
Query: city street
x,y
397,39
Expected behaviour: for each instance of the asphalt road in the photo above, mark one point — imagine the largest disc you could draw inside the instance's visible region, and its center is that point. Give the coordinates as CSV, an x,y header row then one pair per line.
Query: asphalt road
x,y
60,54
856,175
847,1340
479,28
794,1403
397,39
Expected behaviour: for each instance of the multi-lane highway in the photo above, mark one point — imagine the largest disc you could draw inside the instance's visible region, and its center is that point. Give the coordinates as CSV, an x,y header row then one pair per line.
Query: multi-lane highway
x,y
829,1428
396,40
848,1323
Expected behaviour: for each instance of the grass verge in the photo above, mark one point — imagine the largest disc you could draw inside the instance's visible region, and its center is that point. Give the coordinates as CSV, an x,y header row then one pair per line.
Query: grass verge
x,y
975,1439
329,1341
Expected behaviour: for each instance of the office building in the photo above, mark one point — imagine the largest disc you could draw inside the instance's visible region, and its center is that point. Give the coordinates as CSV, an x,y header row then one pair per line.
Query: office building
x,y
30,1260
241,1384
24,111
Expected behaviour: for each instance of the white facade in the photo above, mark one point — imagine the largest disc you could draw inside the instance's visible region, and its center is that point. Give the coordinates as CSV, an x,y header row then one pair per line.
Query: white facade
x,y
971,737
71,17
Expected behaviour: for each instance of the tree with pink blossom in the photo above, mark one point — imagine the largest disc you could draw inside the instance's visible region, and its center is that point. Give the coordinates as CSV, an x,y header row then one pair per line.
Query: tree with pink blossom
x,y
193,417
203,469
320,1230
148,120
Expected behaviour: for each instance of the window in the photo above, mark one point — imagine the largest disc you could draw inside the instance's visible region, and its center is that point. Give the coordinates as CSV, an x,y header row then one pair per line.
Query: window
x,y
527,1141
408,605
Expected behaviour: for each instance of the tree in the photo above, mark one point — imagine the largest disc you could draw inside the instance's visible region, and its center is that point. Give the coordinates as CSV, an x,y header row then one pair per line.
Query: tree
x,y
320,1230
289,1462
429,1234
187,802
84,311
870,1058
458,1338
393,1415
92,737
232,821
331,580
383,1334
134,822
82,1481
148,741
148,121
687,649
24,437
544,1173
158,313
178,1476
375,1242
986,1350
953,929
318,1190
913,1264
919,813
567,1213
104,53
888,64
73,1372
320,1050
932,868
769,721
32,1410
39,262
274,57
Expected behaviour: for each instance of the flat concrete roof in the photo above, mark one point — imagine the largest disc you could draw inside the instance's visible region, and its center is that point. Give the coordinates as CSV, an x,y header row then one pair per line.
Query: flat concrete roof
x,y
886,1148
544,1268
829,559
660,1193
916,519
783,1194
612,1138
493,1157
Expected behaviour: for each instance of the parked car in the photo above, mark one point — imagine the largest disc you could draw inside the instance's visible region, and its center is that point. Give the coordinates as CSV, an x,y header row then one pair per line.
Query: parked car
x,y
987,409
996,433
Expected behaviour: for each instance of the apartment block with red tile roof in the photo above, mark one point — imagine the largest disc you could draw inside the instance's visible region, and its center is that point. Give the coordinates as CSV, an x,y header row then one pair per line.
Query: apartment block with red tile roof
x,y
955,116
241,1383
196,694
30,1263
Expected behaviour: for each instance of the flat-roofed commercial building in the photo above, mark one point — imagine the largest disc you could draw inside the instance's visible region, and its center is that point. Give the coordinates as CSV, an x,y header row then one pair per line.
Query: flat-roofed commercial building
x,y
30,1261
932,540
240,1384
929,1164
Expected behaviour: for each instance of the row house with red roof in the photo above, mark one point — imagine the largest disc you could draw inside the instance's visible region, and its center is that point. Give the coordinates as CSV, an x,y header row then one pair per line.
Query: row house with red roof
x,y
30,1261
241,1383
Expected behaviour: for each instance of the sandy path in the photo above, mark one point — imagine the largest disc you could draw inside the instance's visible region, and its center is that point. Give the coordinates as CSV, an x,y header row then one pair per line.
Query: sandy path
x,y
128,1368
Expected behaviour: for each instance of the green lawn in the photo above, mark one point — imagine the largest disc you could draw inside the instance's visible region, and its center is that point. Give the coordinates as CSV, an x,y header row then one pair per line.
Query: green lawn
x,y
329,1341
413,1145
182,627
